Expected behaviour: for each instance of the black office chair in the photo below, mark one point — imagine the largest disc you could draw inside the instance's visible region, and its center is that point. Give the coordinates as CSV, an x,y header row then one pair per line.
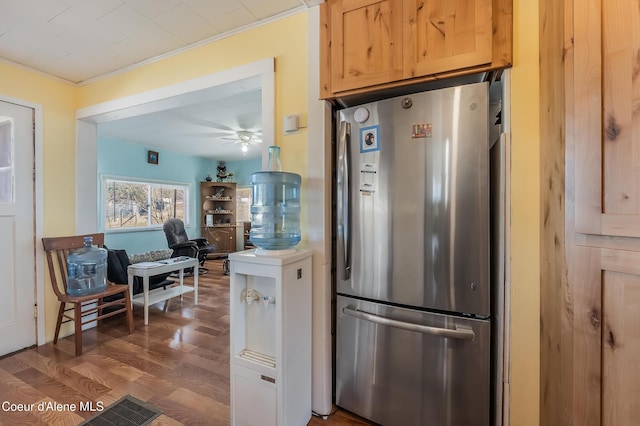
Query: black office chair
x,y
182,245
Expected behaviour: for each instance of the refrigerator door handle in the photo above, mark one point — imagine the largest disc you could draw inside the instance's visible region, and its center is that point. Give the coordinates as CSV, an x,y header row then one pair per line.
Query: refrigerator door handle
x,y
344,214
461,333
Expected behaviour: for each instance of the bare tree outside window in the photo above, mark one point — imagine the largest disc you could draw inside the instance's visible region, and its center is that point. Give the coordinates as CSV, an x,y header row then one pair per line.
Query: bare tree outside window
x,y
131,204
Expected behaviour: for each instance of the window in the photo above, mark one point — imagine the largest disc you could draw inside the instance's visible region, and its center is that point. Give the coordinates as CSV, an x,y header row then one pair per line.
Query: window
x,y
6,160
243,204
135,204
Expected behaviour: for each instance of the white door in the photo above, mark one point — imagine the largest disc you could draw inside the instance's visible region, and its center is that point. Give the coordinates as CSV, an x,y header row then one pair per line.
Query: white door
x,y
17,227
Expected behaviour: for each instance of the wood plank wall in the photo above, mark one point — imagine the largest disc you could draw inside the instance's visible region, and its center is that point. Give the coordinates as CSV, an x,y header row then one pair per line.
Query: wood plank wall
x,y
555,293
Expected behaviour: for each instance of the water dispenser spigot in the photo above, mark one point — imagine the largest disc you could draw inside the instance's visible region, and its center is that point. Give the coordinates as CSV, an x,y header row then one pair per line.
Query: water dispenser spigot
x,y
268,300
251,296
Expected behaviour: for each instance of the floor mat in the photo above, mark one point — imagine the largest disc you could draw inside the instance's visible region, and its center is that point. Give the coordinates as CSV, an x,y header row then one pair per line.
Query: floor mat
x,y
128,411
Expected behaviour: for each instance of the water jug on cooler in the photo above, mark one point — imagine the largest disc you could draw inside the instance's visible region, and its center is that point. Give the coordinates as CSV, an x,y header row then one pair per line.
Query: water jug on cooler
x,y
275,208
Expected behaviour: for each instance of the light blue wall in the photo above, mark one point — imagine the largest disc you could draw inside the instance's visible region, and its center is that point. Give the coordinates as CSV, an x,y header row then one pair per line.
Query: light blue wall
x,y
129,160
242,170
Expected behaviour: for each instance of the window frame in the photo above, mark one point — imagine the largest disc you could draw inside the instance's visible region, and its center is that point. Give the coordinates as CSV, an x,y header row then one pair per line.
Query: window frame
x,y
152,183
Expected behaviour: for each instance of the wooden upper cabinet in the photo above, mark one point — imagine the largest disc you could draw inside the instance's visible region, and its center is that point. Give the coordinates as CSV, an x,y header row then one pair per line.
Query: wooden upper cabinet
x,y
445,35
607,118
367,45
366,38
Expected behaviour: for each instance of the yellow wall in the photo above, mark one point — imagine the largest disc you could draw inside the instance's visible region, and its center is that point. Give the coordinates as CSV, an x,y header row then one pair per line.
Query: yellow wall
x,y
270,40
525,220
60,101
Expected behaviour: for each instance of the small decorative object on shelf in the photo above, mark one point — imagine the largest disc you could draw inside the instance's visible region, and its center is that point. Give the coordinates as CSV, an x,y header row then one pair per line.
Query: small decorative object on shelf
x,y
208,178
222,173
219,194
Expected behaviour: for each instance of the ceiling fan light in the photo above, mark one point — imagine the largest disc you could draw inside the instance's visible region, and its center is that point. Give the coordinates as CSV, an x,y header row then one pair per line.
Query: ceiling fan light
x,y
244,136
245,148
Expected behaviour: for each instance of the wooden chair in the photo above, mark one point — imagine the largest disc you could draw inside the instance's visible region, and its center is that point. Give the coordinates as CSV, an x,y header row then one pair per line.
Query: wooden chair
x,y
86,309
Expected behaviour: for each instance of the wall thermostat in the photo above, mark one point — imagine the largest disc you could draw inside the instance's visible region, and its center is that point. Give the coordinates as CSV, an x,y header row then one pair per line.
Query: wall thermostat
x,y
291,123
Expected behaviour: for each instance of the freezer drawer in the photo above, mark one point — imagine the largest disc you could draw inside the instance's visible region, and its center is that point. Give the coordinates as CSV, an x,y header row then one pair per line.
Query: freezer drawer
x,y
398,366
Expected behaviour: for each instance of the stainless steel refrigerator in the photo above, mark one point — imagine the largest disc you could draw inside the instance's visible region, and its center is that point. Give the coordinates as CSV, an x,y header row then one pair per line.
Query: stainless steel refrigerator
x,y
413,314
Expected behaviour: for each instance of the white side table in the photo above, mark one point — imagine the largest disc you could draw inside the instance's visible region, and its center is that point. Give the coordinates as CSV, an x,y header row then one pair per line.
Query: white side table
x,y
149,269
270,345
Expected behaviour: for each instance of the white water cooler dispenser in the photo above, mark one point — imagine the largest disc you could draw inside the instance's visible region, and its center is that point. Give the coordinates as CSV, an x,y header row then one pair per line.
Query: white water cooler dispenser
x,y
270,318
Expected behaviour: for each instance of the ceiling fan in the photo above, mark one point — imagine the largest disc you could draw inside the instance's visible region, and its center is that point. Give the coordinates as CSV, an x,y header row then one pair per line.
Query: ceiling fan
x,y
246,138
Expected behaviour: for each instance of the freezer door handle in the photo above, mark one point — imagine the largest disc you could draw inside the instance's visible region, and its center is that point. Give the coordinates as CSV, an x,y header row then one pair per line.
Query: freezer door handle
x,y
461,333
344,191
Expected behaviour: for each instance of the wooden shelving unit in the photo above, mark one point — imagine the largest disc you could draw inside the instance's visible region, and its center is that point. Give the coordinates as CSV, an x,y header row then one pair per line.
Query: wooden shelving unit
x,y
246,227
218,215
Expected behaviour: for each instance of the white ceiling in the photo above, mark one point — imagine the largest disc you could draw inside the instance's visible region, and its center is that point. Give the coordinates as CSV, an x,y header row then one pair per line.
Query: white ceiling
x,y
205,127
80,40
85,40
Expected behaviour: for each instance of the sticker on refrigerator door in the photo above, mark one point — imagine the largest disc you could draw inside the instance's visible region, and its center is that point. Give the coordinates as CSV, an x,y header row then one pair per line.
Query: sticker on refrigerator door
x,y
368,177
368,168
367,186
421,131
369,139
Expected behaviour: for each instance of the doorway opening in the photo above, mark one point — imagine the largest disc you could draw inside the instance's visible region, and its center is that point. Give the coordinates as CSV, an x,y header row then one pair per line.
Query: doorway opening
x,y
192,91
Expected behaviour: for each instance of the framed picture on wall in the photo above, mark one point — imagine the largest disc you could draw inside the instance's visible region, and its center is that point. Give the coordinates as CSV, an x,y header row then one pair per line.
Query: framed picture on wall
x,y
152,157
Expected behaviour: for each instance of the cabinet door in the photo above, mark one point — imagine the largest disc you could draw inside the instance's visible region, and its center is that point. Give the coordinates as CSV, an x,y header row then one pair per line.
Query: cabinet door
x,y
222,238
366,43
253,398
621,338
607,129
446,35
603,163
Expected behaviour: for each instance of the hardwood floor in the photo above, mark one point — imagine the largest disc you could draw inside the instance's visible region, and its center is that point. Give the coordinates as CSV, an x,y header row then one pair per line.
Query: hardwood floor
x,y
179,363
